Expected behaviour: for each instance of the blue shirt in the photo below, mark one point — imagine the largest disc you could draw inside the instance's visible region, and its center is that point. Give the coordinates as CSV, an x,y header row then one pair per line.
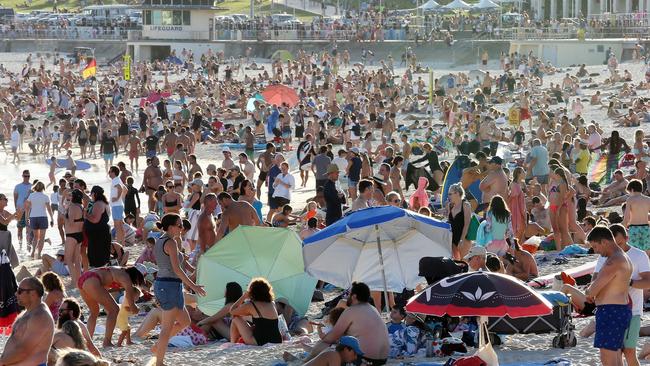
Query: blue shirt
x,y
541,164
273,172
394,327
23,190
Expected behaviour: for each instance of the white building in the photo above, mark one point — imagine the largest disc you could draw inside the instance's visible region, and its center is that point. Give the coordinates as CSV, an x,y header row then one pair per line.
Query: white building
x,y
172,25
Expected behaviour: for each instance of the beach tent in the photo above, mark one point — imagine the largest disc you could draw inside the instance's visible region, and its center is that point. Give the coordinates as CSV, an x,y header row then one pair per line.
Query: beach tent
x,y
429,5
255,251
486,5
457,5
380,246
282,55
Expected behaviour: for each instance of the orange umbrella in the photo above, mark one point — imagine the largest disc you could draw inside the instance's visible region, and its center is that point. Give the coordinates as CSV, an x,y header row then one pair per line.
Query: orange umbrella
x,y
278,94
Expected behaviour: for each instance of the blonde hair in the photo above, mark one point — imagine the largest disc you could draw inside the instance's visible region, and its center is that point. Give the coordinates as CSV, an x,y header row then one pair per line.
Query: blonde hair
x,y
73,357
458,188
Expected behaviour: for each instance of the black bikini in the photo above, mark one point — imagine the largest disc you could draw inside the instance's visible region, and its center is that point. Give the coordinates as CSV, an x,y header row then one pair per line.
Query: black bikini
x,y
79,237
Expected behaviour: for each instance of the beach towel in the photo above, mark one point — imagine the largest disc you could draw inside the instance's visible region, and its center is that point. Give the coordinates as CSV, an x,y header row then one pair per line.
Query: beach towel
x,y
483,235
574,249
421,193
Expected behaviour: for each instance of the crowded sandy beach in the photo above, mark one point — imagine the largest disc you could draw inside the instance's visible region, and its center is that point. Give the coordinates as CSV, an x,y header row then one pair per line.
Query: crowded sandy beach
x,y
318,209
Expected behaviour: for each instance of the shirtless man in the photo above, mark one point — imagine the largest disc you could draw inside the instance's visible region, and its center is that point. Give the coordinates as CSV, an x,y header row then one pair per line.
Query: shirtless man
x,y
524,105
264,162
207,232
227,162
153,177
495,183
247,167
234,213
525,268
194,166
347,351
406,150
635,219
179,154
170,141
610,293
31,337
191,140
614,193
472,174
133,148
362,320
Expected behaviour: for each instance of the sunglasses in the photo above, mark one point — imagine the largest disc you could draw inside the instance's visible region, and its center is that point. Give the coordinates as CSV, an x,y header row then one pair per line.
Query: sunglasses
x,y
26,176
397,201
21,290
169,187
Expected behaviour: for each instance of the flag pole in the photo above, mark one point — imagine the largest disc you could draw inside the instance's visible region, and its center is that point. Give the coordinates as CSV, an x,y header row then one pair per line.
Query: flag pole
x,y
99,108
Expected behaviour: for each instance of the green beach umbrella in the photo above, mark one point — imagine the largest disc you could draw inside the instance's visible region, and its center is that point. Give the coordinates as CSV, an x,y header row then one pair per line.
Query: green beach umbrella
x,y
255,251
282,55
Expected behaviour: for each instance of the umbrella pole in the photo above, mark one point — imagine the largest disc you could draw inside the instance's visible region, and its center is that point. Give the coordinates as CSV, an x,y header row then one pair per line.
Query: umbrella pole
x,y
381,264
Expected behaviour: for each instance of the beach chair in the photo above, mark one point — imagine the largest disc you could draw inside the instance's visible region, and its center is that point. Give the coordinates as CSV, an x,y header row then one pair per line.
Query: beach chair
x,y
559,322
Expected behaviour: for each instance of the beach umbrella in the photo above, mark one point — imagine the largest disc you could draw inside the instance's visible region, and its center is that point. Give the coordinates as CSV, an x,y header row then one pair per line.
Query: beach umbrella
x,y
380,246
484,294
282,55
278,94
429,5
457,5
255,251
155,97
485,5
250,106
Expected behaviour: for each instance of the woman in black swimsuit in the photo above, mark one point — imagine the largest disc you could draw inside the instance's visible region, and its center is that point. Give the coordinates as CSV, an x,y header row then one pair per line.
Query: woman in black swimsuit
x,y
5,216
460,215
74,223
261,308
171,200
97,229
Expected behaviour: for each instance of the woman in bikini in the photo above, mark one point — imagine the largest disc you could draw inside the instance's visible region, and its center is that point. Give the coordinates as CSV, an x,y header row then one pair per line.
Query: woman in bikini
x,y
74,222
171,201
55,293
94,286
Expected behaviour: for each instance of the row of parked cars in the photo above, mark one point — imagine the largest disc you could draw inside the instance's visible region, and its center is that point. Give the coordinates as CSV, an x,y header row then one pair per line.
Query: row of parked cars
x,y
99,15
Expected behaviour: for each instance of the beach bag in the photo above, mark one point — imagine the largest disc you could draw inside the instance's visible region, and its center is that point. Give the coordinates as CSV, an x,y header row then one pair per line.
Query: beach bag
x,y
485,350
473,227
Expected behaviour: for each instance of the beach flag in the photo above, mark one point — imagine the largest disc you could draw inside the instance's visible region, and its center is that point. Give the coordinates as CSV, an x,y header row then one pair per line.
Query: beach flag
x,y
90,69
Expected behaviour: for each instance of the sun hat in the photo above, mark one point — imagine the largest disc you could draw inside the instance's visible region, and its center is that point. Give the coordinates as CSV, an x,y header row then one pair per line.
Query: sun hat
x,y
332,168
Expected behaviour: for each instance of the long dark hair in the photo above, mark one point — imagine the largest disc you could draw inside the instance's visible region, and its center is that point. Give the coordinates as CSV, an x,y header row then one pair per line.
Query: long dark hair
x,y
99,194
233,292
499,209
170,219
135,275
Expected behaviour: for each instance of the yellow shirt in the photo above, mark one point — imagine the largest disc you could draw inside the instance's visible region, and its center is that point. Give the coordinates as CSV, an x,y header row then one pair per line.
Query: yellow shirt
x,y
582,163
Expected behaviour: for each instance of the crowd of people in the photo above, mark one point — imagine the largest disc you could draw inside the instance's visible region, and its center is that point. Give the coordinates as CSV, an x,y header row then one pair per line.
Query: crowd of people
x,y
352,128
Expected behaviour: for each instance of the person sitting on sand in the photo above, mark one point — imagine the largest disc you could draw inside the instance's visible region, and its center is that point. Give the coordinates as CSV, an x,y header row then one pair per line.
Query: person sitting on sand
x,y
261,308
71,311
55,264
297,324
55,293
362,320
524,267
68,336
347,351
218,325
615,192
73,357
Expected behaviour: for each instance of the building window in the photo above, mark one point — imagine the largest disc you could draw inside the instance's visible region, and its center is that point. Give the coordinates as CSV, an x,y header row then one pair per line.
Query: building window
x,y
156,17
186,18
147,17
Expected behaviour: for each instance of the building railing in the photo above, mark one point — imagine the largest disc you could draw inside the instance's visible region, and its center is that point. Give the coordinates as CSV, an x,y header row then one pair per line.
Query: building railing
x,y
574,32
65,33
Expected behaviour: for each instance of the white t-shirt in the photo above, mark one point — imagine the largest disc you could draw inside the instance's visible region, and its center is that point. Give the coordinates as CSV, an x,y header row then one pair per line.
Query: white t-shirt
x,y
114,184
283,191
640,264
39,201
15,138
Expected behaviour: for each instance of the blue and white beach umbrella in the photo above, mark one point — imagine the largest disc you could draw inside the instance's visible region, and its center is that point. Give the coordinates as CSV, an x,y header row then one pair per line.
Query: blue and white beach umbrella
x,y
380,246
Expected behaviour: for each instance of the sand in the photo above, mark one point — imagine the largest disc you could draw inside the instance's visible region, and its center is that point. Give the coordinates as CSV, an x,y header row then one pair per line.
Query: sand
x,y
516,350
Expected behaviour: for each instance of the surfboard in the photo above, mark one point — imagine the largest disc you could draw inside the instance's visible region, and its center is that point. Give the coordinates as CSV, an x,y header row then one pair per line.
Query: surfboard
x,y
576,272
454,175
301,153
64,163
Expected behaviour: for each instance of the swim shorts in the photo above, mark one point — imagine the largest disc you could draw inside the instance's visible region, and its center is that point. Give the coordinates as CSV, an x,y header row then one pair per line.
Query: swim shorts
x,y
151,153
632,333
117,212
109,157
639,236
38,223
612,321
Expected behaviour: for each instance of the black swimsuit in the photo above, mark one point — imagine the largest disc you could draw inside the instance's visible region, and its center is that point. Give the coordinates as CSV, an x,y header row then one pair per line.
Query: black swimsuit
x,y
79,237
457,223
265,330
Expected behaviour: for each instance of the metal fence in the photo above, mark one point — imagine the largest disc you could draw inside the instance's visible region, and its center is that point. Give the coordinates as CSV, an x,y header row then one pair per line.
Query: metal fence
x,y
65,33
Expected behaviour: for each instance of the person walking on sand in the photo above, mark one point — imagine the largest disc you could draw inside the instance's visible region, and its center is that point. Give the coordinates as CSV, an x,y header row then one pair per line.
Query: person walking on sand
x,y
610,293
53,166
31,337
635,219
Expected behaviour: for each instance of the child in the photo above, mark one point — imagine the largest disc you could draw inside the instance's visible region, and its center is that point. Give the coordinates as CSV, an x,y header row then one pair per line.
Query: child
x,y
53,166
519,137
397,315
56,136
123,321
147,254
54,199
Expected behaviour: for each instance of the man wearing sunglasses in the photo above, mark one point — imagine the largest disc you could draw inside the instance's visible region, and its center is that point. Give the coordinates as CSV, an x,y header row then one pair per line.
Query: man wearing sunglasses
x,y
33,331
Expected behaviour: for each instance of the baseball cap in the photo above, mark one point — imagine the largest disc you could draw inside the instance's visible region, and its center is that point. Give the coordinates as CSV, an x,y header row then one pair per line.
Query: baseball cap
x,y
496,160
332,168
476,251
352,342
355,150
